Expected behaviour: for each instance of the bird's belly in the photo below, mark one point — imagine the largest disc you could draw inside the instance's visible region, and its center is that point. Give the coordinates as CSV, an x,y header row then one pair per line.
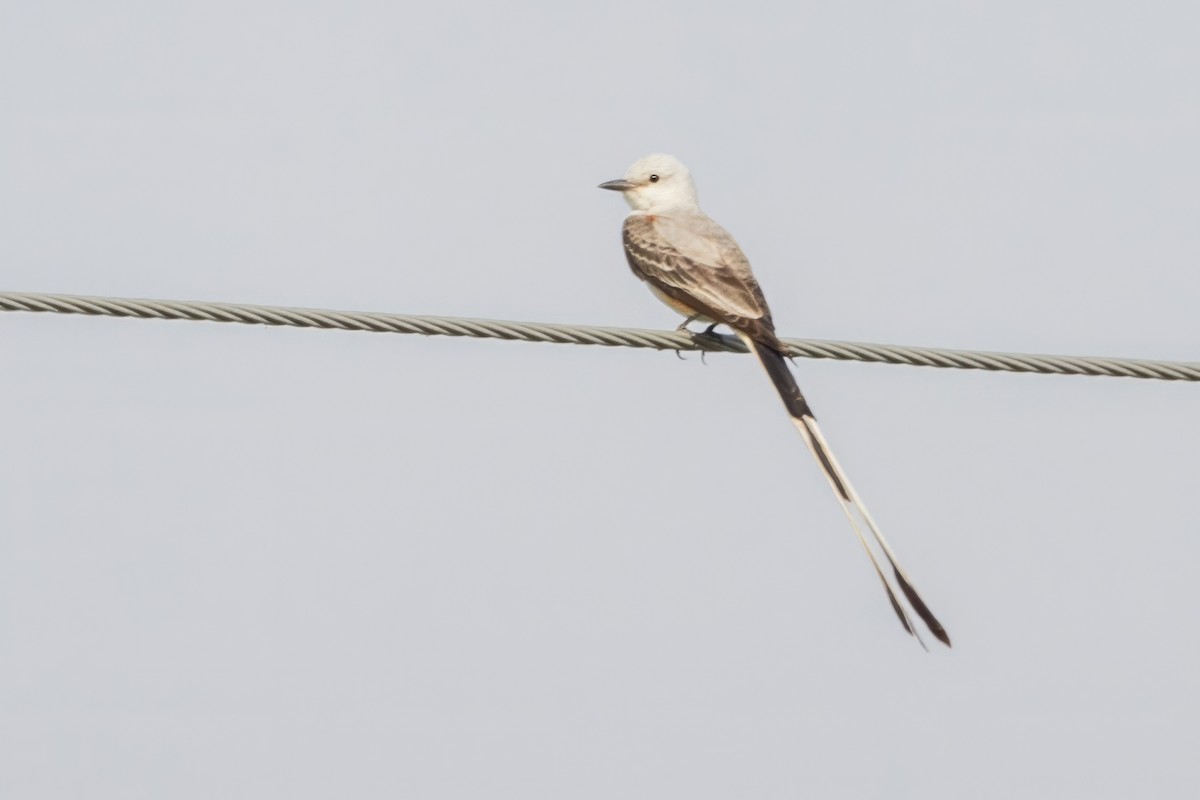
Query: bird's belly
x,y
678,307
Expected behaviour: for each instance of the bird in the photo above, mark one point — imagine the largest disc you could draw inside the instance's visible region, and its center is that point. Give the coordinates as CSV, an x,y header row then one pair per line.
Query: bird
x,y
696,268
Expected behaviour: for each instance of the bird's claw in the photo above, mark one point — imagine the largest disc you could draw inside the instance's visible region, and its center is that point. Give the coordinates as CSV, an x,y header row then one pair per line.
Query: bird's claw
x,y
709,334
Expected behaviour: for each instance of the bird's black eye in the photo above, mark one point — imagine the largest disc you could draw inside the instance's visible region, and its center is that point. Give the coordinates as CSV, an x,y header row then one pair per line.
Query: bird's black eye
x,y
654,179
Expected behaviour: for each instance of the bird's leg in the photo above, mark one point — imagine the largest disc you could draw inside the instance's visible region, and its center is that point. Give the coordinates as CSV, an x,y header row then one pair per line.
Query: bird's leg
x,y
707,333
683,328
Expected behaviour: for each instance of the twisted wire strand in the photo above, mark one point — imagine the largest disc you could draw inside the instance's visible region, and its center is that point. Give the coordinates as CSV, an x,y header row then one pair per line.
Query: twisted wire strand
x,y
376,322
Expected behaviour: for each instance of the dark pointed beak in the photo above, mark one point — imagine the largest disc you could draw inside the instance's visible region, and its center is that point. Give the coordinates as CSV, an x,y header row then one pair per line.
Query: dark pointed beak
x,y
619,185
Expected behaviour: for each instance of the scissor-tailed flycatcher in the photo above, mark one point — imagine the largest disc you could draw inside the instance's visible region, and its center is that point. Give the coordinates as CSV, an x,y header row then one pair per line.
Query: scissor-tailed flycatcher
x,y
694,266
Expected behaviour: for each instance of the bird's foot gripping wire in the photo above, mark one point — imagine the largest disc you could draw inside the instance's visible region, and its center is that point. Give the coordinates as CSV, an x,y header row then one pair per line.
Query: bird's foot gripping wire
x,y
707,335
683,328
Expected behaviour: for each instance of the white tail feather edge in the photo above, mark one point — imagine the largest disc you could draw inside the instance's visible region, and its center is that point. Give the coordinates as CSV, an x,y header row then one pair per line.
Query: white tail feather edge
x,y
883,543
809,430
806,424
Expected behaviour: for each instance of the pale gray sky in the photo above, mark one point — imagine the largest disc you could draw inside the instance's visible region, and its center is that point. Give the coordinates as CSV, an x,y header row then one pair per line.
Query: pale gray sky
x,y
248,562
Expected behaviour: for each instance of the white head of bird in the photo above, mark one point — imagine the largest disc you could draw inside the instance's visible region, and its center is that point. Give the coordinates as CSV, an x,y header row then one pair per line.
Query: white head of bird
x,y
655,184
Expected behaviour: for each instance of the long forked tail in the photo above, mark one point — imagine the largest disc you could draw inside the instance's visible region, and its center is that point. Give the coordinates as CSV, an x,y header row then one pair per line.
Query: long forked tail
x,y
797,407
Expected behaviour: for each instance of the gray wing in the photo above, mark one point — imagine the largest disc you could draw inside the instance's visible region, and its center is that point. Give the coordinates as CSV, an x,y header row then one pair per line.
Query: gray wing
x,y
694,261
